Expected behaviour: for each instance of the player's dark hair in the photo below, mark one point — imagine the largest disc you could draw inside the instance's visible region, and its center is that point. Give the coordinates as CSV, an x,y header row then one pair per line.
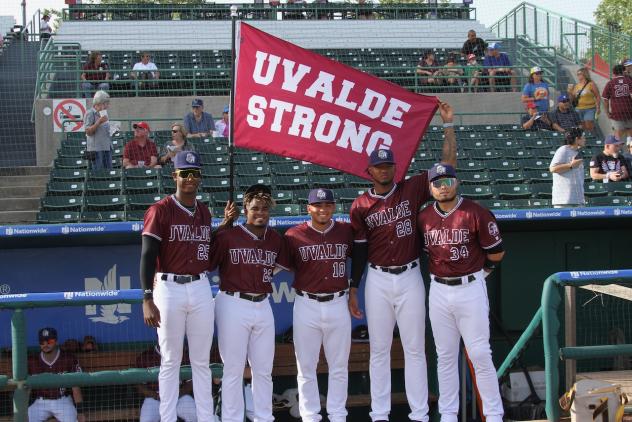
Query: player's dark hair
x,y
572,135
262,196
618,69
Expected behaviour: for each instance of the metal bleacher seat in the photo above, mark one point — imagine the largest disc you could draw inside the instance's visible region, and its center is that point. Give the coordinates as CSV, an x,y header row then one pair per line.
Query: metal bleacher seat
x,y
512,191
494,203
65,188
476,191
102,216
137,186
103,187
68,174
608,201
105,202
482,177
253,169
620,188
105,174
595,189
508,176
51,217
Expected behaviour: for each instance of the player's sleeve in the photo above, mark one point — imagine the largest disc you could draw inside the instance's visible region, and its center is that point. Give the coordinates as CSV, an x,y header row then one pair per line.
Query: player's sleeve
x,y
557,157
595,162
488,232
153,225
89,119
291,249
357,223
283,256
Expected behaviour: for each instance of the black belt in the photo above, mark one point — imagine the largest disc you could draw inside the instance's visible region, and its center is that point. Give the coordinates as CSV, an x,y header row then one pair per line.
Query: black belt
x,y
454,281
321,298
180,279
246,296
395,270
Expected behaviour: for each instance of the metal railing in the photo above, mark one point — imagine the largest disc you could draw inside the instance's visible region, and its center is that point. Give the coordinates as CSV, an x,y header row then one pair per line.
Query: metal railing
x,y
209,11
575,40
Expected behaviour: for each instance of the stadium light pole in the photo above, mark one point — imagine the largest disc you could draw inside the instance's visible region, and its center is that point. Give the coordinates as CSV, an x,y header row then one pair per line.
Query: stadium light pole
x,y
23,15
231,142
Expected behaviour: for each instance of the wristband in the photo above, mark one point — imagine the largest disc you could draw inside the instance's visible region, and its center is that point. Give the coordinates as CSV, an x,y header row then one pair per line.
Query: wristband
x,y
447,125
148,294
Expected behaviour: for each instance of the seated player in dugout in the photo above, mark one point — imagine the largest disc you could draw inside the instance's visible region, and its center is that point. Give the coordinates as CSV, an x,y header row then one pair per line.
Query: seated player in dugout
x,y
65,405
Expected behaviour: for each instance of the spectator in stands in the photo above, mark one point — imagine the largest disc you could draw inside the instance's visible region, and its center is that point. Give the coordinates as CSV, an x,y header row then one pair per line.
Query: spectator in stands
x,y
567,167
534,120
45,29
617,102
99,140
473,45
95,74
198,123
498,65
222,126
150,410
536,90
295,6
144,70
427,68
564,117
627,64
450,75
140,151
365,11
585,98
473,72
178,143
608,165
54,402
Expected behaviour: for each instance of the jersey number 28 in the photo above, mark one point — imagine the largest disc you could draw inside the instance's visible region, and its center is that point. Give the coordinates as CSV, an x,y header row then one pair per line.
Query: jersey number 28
x,y
403,228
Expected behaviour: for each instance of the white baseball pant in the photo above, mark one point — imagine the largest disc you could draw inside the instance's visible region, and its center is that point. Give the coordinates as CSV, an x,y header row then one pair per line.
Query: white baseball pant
x,y
245,330
400,298
185,309
463,311
329,324
185,409
63,409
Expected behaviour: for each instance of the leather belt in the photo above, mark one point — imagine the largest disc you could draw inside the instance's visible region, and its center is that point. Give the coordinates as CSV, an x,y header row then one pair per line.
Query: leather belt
x,y
321,298
395,270
457,281
246,296
180,279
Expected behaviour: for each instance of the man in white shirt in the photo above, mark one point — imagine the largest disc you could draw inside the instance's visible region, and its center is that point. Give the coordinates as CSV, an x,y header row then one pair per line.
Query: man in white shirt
x,y
45,28
145,69
222,125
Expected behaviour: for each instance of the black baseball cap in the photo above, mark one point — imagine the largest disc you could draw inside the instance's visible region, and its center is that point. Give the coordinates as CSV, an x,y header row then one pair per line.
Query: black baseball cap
x,y
320,195
47,333
439,171
187,160
381,156
259,188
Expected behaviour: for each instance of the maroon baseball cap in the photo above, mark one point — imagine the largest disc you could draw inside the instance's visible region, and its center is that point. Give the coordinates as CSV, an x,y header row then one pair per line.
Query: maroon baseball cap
x,y
142,125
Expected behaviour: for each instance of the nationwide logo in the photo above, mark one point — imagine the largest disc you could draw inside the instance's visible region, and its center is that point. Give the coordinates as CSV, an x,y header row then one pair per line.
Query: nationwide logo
x,y
136,227
65,230
5,289
617,211
69,295
573,213
529,214
578,274
9,231
108,314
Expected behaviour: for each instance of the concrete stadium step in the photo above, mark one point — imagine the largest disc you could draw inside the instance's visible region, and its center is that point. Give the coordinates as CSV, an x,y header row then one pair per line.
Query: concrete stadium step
x,y
26,170
13,181
31,191
16,217
19,204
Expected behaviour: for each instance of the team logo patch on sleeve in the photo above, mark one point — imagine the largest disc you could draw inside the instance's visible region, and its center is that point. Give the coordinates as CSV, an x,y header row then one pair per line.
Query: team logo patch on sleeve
x,y
493,228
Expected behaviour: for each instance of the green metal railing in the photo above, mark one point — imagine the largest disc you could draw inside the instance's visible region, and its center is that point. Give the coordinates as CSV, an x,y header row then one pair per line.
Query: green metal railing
x,y
575,40
209,11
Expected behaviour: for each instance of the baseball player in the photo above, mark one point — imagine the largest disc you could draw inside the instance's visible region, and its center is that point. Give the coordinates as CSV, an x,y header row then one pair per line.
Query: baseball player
x,y
178,299
384,221
150,410
464,245
318,254
54,402
246,256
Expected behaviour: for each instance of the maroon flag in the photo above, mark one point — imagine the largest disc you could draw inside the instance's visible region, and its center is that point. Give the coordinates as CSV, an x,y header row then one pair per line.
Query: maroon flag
x,y
295,103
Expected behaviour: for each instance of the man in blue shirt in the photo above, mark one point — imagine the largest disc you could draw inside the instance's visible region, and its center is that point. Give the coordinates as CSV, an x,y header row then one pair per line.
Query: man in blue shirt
x,y
198,123
498,64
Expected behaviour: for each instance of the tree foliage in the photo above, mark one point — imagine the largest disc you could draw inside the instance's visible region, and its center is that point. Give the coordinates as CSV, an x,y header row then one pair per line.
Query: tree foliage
x,y
615,15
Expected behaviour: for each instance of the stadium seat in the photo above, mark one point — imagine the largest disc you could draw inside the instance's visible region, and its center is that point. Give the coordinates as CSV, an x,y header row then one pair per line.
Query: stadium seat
x,y
219,199
211,149
249,157
102,216
218,170
620,188
476,191
519,153
502,164
217,212
105,202
419,165
142,201
494,203
103,187
529,203
538,176
68,175
541,190
252,169
204,197
595,189
291,182
505,142
486,154
65,188
348,194
536,164
59,203
471,165
287,209
542,143
277,159
71,163
507,176
136,186
245,182
512,191
51,217
475,177
215,159
134,215
608,201
288,168
329,181
475,144
71,151
283,196
433,156
213,184
141,173
168,186
318,170
358,182
105,174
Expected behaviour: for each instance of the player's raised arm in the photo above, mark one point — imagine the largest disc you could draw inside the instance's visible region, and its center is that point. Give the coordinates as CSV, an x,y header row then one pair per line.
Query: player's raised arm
x,y
448,155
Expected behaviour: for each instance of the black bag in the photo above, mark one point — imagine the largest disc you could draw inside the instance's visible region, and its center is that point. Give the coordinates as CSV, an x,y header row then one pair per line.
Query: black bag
x,y
576,98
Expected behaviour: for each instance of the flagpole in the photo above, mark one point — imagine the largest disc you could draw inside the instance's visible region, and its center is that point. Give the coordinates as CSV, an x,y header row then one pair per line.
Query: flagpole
x,y
231,140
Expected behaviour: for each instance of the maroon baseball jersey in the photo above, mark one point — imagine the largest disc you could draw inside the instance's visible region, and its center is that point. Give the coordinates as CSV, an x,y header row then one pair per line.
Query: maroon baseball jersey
x,y
63,363
389,222
618,91
184,236
319,259
456,242
246,262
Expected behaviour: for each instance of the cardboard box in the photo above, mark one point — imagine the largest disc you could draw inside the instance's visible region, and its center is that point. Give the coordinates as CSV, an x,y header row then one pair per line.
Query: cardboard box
x,y
518,389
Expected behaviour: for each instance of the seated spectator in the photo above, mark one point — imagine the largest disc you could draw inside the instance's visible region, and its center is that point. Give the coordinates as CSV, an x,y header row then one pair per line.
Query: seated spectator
x,y
198,123
150,409
145,70
585,98
497,64
617,102
608,165
294,14
567,167
534,120
426,68
95,74
178,143
450,75
536,90
564,117
98,138
45,29
473,45
473,72
140,151
60,403
222,126
366,10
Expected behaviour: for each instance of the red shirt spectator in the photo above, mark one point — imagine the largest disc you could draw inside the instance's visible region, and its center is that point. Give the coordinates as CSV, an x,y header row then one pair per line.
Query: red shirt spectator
x,y
94,72
140,151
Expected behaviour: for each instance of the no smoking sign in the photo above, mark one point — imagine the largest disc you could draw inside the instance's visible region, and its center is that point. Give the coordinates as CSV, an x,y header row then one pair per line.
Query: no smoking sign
x,y
68,115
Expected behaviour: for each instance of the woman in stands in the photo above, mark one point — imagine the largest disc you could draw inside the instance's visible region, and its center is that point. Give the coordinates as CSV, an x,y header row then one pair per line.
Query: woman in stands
x,y
536,91
178,143
99,140
586,99
95,75
426,69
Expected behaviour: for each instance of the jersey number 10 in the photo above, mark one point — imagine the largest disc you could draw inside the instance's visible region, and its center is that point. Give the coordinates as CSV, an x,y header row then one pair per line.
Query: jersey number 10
x,y
339,269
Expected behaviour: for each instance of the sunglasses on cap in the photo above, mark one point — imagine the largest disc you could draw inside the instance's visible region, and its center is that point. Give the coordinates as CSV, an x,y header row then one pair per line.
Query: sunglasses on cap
x,y
50,341
445,181
186,173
